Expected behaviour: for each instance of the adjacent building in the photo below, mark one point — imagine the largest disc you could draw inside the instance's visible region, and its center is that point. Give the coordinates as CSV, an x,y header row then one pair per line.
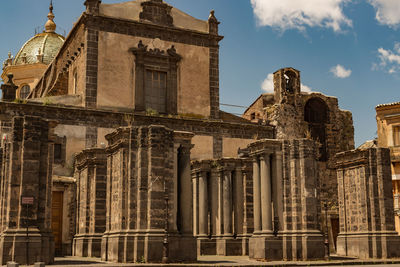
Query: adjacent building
x,y
388,121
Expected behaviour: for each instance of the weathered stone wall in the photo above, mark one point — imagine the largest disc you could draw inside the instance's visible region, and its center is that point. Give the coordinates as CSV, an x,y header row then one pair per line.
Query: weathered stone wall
x,y
71,57
301,197
27,172
117,65
147,165
222,209
285,200
287,111
90,174
74,123
366,204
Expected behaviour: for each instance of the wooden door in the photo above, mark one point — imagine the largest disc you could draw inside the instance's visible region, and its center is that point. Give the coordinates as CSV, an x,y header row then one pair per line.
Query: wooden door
x,y
56,220
335,230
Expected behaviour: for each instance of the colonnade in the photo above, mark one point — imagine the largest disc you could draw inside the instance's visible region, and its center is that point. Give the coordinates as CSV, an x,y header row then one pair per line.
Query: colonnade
x,y
221,210
267,192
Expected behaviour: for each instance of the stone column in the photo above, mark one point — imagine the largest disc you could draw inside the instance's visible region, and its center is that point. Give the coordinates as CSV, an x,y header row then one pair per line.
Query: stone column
x,y
256,196
220,204
277,187
195,204
186,190
227,202
266,211
238,202
203,205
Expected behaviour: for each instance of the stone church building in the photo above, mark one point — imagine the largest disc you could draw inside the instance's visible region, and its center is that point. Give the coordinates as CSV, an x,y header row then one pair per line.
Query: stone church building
x,y
114,146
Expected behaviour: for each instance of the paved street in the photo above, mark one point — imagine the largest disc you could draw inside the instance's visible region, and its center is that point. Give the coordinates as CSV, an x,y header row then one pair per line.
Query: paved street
x,y
227,261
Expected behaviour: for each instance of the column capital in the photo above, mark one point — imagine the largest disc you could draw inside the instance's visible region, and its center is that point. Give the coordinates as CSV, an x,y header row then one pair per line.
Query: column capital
x,y
202,174
185,148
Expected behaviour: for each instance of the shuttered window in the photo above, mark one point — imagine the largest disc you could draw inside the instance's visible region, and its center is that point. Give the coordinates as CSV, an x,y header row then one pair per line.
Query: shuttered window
x,y
156,91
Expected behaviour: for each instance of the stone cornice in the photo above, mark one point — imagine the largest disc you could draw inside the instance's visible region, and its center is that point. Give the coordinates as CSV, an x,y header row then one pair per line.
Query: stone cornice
x,y
149,30
79,116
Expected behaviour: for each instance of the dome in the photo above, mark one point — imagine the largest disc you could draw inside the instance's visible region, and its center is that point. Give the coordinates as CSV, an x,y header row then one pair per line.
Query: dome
x,y
43,47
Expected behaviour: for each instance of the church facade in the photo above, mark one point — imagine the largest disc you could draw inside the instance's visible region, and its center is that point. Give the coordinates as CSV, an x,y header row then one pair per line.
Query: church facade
x,y
119,149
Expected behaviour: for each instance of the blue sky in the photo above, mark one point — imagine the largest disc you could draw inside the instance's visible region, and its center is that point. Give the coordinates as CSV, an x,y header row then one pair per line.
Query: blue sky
x,y
343,48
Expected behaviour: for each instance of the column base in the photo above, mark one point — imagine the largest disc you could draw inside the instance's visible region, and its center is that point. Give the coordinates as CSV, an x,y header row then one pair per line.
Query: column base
x,y
303,245
13,246
369,245
87,245
265,248
229,247
206,246
147,246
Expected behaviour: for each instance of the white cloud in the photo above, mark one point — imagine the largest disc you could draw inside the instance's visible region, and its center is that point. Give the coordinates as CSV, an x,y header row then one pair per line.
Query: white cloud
x,y
268,85
340,72
297,14
389,59
387,12
305,88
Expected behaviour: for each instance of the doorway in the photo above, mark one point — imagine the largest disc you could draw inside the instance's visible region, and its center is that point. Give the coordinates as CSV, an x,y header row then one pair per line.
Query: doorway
x,y
56,220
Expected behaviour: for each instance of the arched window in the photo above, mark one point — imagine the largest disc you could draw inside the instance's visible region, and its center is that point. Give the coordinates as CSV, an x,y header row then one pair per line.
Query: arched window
x,y
24,92
316,114
290,77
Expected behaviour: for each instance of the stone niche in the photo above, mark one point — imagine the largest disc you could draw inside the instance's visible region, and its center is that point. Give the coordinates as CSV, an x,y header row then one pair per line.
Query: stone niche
x,y
366,205
149,196
90,174
285,200
26,162
222,206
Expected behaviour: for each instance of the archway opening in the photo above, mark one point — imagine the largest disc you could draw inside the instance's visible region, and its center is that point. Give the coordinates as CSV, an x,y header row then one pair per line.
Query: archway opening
x,y
316,114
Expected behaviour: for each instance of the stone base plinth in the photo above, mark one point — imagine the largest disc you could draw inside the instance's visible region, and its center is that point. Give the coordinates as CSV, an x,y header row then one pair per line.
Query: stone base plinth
x,y
229,247
206,246
13,246
265,248
147,247
87,245
223,246
303,245
369,245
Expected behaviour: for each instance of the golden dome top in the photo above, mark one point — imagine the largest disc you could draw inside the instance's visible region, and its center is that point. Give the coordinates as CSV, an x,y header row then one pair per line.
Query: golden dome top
x,y
50,26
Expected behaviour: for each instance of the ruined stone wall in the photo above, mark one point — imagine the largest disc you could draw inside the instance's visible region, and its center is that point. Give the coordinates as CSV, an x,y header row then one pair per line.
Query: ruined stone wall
x,y
301,197
90,174
295,115
85,128
145,166
27,172
366,204
285,200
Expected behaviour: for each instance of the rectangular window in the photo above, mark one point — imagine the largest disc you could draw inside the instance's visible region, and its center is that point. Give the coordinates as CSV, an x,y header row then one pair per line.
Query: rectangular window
x,y
156,90
396,135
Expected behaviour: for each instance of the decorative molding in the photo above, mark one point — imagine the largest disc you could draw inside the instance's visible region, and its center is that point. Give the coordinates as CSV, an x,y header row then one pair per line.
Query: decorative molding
x,y
152,31
156,12
159,60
